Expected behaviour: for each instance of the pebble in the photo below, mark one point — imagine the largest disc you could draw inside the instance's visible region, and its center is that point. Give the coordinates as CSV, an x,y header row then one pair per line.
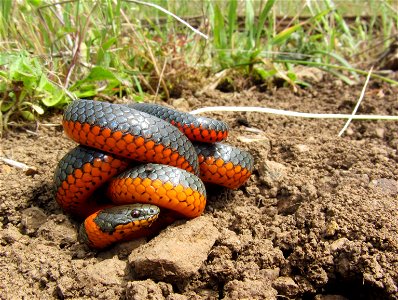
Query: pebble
x,y
272,172
286,286
108,272
386,186
32,219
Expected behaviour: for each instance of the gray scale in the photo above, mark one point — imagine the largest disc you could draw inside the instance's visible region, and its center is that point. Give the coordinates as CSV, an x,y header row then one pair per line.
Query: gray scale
x,y
169,115
165,174
125,119
227,153
73,160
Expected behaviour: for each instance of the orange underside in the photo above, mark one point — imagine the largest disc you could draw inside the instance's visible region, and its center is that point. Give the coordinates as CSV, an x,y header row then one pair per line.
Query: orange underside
x,y
225,174
184,200
74,192
200,134
125,145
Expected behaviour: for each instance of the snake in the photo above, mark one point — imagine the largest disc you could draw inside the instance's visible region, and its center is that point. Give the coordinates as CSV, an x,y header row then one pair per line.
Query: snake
x,y
140,166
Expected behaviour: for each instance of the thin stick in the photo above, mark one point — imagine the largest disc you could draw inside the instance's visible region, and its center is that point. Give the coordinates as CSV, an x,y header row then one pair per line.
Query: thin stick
x,y
291,113
28,169
358,103
170,14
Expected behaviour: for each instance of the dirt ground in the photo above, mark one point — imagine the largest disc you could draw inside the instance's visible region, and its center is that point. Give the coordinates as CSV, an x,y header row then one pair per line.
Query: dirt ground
x,y
318,219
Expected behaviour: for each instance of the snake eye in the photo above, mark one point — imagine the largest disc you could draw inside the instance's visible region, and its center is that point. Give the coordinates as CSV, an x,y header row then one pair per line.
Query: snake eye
x,y
135,213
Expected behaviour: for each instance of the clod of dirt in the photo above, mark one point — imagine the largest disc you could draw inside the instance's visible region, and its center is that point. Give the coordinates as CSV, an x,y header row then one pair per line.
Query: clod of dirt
x,y
249,289
148,289
58,229
177,253
272,172
386,186
108,272
286,286
32,219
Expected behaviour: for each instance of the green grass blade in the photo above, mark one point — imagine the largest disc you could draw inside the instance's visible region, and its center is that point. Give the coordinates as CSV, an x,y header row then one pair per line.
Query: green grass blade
x,y
220,38
261,20
249,24
232,21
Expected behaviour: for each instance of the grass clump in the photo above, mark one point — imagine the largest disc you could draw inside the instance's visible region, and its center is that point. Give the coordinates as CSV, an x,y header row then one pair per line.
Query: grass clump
x,y
52,52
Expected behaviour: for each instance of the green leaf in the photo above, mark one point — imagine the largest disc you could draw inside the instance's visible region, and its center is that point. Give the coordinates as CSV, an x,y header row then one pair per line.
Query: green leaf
x,y
286,33
35,107
104,48
27,115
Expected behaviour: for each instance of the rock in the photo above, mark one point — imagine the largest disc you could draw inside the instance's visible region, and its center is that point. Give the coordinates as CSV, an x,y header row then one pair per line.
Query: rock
x,y
176,253
301,148
380,132
122,250
258,144
272,172
331,228
338,244
286,286
146,289
249,289
309,73
64,285
10,235
386,186
32,219
108,272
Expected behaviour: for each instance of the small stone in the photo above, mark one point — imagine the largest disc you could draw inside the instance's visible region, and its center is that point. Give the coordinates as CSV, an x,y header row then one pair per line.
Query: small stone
x,y
63,233
338,244
64,285
331,228
253,139
108,272
32,219
11,234
349,132
386,186
146,289
176,253
379,132
249,289
302,148
286,286
272,172
309,73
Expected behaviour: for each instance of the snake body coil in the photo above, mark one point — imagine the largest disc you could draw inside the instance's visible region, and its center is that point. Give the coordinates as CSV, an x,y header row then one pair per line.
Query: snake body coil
x,y
142,163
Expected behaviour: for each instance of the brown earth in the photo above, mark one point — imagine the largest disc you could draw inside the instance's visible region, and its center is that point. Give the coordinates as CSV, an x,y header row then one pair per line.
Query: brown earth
x,y
317,219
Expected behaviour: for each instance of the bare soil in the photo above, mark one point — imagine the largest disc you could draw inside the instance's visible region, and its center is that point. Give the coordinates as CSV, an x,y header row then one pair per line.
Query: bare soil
x,y
317,219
